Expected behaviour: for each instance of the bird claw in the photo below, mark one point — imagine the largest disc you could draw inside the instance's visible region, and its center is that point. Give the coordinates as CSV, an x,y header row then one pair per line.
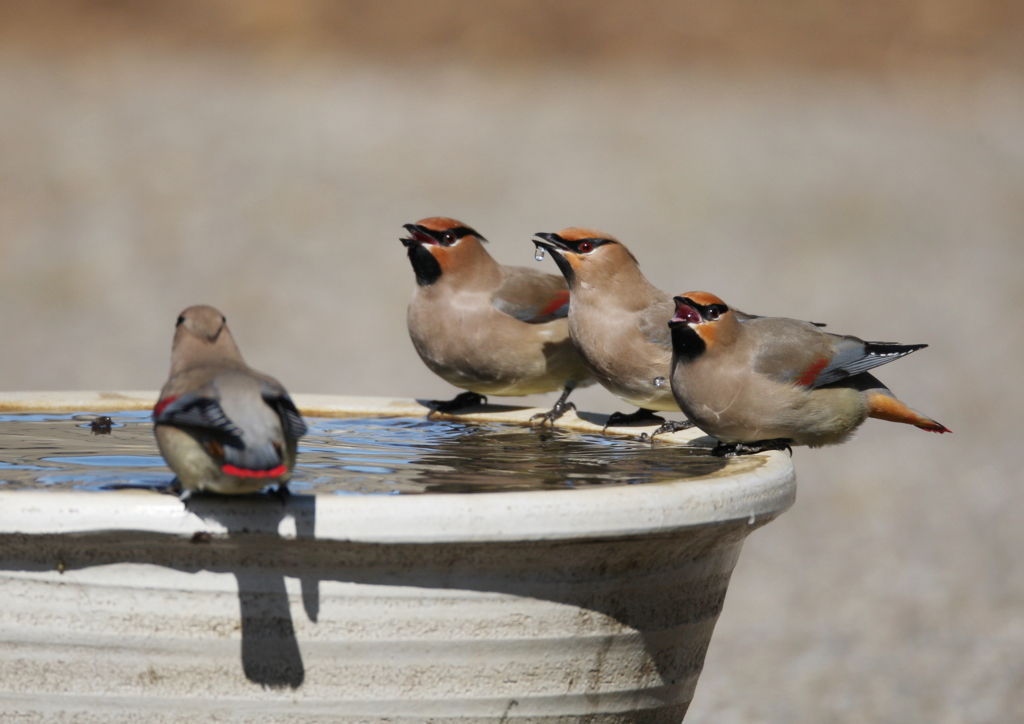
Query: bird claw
x,y
559,409
735,449
466,399
669,426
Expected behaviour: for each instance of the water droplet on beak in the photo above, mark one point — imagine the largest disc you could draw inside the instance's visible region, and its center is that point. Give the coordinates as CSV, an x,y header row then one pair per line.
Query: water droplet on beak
x,y
539,255
659,381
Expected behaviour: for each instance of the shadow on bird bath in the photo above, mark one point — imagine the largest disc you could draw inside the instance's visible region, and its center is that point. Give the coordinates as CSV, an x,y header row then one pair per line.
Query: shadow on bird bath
x,y
270,650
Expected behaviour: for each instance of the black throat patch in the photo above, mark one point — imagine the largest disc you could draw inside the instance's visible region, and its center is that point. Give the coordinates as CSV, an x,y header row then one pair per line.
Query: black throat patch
x,y
424,264
686,343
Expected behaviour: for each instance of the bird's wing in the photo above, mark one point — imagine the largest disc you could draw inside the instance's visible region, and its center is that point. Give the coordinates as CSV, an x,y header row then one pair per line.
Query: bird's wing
x,y
200,409
531,296
653,323
799,353
788,350
277,398
854,356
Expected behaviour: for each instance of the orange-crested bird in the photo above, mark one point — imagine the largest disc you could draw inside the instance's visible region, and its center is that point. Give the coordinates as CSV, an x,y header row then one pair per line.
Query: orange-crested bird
x,y
485,327
617,321
771,382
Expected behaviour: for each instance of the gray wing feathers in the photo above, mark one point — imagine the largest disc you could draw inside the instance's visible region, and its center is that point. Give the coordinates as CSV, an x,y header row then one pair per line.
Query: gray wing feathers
x,y
276,397
854,356
653,323
199,409
531,296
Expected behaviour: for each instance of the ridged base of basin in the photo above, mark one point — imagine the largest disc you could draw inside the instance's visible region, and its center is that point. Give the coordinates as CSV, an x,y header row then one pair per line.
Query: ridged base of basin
x,y
142,628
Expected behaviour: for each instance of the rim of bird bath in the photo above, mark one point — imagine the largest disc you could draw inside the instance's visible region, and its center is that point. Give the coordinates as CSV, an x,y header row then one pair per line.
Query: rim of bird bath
x,y
747,487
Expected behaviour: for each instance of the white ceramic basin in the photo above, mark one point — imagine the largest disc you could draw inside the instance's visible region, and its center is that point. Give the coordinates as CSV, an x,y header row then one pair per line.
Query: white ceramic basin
x,y
593,605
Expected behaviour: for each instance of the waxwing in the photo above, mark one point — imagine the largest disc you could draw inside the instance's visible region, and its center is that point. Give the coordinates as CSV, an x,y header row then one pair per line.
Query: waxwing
x,y
617,321
770,382
484,327
221,426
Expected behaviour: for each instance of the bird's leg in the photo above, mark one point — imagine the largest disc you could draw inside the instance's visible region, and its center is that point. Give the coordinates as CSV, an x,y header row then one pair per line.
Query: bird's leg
x,y
734,449
281,492
669,426
466,399
560,407
642,415
177,489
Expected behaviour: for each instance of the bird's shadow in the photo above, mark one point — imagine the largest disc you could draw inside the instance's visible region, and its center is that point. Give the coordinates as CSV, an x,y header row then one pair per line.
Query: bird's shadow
x,y
485,409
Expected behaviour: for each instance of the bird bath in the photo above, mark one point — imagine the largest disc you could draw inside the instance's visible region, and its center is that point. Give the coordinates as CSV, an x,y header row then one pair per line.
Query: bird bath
x,y
463,571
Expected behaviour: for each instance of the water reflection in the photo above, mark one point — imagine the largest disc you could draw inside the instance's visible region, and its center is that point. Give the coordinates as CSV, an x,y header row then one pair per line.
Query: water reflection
x,y
350,456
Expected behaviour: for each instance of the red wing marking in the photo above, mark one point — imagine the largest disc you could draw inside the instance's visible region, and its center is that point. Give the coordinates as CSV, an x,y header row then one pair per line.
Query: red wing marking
x,y
556,303
810,375
162,404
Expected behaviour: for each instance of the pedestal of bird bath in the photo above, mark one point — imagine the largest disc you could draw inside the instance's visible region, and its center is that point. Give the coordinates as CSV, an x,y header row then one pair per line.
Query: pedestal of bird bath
x,y
548,606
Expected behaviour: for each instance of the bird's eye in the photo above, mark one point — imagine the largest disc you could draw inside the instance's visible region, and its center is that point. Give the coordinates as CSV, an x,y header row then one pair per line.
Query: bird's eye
x,y
181,320
713,314
586,247
449,238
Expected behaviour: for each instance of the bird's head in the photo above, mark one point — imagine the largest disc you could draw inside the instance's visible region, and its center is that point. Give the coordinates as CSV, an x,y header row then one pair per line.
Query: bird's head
x,y
201,334
587,255
704,315
439,245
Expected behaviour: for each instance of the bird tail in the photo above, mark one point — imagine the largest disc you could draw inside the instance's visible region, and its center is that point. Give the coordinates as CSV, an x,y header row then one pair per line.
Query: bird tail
x,y
885,407
254,461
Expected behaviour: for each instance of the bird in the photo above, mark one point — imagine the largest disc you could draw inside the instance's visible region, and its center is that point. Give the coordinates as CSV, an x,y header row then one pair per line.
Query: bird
x,y
485,327
771,382
617,322
221,426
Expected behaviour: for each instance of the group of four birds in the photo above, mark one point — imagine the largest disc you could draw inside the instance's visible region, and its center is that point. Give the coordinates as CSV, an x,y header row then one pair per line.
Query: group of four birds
x,y
753,383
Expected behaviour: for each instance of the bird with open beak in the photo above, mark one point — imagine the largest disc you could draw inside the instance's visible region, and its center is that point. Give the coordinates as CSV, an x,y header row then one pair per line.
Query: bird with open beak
x,y
770,382
221,426
485,327
617,321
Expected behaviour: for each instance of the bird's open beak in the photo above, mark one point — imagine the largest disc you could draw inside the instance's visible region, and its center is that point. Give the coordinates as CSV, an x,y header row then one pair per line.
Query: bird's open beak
x,y
417,235
685,313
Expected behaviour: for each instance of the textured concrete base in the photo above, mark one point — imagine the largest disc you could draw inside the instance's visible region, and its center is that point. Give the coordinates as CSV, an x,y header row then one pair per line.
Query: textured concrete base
x,y
159,628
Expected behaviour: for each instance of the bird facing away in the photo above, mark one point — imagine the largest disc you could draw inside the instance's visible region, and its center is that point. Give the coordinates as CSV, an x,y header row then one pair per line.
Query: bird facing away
x,y
770,382
221,426
484,327
617,321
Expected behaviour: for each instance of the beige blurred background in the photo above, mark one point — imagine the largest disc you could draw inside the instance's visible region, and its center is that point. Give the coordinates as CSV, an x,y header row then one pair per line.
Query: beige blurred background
x,y
856,162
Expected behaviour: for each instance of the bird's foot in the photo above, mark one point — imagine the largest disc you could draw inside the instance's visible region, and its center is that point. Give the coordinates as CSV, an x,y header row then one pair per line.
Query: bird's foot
x,y
559,409
466,399
176,489
641,416
734,449
668,426
281,492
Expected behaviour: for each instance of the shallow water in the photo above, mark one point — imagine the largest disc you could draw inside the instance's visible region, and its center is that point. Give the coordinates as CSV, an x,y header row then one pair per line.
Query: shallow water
x,y
349,456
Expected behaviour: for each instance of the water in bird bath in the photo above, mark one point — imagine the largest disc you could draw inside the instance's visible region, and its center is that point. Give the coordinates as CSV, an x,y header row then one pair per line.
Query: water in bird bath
x,y
348,456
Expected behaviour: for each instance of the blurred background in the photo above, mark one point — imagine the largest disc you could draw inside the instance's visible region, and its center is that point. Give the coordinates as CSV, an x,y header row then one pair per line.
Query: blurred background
x,y
859,162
